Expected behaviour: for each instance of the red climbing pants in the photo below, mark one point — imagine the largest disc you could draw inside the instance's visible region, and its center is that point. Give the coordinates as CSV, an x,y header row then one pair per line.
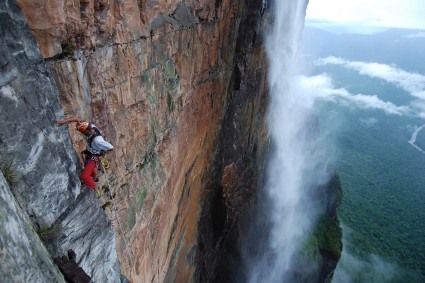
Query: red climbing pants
x,y
89,173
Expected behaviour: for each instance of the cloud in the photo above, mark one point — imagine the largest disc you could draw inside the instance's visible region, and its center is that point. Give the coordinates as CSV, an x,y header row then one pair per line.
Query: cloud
x,y
419,107
370,267
412,83
321,87
416,35
367,12
369,121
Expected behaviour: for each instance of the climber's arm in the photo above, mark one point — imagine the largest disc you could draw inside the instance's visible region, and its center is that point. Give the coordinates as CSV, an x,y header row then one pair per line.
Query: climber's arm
x,y
67,120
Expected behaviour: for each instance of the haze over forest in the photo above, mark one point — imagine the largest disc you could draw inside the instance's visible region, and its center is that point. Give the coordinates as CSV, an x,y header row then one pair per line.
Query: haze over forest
x,y
371,92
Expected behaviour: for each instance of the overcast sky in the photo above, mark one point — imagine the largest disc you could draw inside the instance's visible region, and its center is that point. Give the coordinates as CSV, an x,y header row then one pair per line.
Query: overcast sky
x,y
385,13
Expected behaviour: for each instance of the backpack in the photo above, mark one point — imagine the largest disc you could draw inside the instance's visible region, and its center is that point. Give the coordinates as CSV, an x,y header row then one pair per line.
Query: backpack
x,y
92,137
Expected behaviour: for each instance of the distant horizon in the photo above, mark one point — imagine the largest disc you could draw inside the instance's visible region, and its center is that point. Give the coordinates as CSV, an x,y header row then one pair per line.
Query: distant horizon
x,y
369,13
350,28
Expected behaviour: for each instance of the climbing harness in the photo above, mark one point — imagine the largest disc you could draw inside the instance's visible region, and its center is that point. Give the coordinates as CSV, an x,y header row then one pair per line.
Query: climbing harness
x,y
91,157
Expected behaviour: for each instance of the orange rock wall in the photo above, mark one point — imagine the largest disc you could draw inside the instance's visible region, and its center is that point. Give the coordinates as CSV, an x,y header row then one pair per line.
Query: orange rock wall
x,y
157,78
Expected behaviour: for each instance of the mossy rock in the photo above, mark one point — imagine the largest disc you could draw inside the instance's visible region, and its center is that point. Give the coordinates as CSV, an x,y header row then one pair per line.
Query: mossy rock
x,y
329,234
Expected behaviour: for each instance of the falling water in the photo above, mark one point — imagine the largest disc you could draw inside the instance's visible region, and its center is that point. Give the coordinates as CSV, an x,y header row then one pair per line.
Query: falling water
x,y
296,166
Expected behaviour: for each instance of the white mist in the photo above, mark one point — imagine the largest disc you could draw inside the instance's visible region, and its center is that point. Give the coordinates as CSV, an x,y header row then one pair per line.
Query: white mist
x,y
296,166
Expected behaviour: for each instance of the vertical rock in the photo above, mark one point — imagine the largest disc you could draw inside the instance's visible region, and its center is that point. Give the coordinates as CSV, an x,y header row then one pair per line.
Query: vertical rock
x,y
158,82
23,257
86,230
41,153
179,88
160,99
239,162
41,166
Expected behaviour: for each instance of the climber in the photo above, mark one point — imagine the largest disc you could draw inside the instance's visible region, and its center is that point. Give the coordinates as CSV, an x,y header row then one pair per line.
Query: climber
x,y
96,147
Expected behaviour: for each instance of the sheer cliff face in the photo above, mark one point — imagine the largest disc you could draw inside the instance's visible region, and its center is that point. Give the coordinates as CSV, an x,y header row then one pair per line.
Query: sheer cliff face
x,y
38,199
178,88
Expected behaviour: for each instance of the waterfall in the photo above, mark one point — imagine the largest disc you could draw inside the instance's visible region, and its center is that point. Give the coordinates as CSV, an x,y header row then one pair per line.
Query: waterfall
x,y
296,166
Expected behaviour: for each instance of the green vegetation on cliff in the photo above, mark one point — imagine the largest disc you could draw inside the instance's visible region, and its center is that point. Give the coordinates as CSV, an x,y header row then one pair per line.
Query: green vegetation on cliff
x,y
324,247
328,235
8,172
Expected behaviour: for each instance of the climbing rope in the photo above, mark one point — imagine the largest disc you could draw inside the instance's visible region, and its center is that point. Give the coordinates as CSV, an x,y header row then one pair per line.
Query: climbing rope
x,y
105,165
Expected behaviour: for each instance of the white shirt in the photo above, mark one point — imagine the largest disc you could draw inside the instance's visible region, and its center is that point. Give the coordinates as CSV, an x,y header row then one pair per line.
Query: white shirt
x,y
99,145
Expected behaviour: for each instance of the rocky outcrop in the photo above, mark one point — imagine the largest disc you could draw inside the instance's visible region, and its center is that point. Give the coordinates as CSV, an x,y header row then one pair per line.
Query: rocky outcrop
x,y
40,163
23,256
85,229
70,268
42,155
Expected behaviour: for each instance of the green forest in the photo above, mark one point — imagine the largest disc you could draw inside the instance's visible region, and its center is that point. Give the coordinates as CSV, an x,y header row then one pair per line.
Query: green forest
x,y
382,176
